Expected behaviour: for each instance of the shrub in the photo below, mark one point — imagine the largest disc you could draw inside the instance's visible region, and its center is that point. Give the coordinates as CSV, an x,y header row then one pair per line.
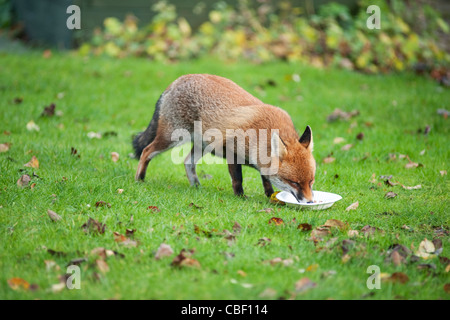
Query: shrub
x,y
266,31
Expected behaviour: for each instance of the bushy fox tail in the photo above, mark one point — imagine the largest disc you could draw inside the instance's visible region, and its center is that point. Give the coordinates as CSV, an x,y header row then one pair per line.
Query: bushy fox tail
x,y
143,139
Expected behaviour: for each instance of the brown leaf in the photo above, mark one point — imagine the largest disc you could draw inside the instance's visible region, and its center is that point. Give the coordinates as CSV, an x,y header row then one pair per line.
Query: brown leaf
x,y
5,147
319,234
426,249
154,209
338,114
303,285
33,163
329,160
369,230
304,227
360,136
398,277
276,221
236,227
347,147
276,261
447,287
23,181
100,204
114,156
93,226
184,259
102,266
263,242
397,259
390,195
266,210
53,215
353,206
164,250
49,111
193,205
18,283
333,223
412,188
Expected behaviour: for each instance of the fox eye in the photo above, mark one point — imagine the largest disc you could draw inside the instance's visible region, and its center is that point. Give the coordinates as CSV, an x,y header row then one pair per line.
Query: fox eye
x,y
294,183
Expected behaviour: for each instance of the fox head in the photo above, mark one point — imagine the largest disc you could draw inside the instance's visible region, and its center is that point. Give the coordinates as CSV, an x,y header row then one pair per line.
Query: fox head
x,y
296,165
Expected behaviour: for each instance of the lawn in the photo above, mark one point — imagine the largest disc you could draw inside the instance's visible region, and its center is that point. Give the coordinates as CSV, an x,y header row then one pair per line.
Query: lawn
x,y
116,98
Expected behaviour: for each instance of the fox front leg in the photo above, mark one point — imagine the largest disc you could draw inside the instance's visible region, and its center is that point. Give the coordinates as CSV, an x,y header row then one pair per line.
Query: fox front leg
x,y
235,171
268,190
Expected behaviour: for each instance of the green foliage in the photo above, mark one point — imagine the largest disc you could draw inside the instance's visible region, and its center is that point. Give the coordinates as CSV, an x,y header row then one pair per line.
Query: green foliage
x,y
277,31
5,13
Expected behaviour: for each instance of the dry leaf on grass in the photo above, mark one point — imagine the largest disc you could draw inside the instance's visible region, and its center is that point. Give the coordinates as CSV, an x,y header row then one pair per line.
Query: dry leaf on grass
x,y
53,215
276,221
154,209
184,259
304,227
4,147
102,266
23,181
31,126
18,283
303,285
443,172
33,163
390,195
333,223
93,226
329,160
347,147
279,261
263,242
115,156
426,249
49,111
353,206
338,140
412,188
369,230
164,250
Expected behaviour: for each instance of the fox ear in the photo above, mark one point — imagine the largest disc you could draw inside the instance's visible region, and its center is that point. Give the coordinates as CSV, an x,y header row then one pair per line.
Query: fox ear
x,y
307,139
278,148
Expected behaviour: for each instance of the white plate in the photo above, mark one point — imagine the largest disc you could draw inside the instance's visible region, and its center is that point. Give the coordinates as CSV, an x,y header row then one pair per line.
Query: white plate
x,y
322,200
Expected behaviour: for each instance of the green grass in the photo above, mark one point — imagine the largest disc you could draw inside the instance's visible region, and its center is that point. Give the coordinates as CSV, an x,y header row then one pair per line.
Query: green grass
x,y
104,95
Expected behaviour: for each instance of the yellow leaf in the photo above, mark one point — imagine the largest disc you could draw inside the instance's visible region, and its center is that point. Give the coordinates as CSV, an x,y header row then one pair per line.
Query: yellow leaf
x,y
33,163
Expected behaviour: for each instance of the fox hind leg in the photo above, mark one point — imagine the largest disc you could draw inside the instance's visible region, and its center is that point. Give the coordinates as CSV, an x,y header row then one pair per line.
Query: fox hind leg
x,y
190,164
160,144
235,171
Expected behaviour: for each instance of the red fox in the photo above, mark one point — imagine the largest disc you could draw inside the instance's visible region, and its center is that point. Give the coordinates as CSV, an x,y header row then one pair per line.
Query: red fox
x,y
219,104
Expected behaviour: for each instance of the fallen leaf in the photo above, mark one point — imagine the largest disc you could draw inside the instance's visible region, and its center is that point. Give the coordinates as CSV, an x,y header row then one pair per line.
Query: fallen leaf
x,y
412,188
333,223
338,114
347,147
58,287
319,234
279,261
411,164
164,250
236,228
31,126
303,285
18,283
49,111
184,259
398,277
120,191
114,156
53,215
329,160
93,226
353,233
241,273
426,249
33,163
23,181
263,242
268,293
92,135
338,140
124,241
373,178
360,136
154,209
276,221
102,266
390,195
193,205
304,227
353,206
447,287
397,259
369,230
4,147
443,172
266,210
273,199
100,204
